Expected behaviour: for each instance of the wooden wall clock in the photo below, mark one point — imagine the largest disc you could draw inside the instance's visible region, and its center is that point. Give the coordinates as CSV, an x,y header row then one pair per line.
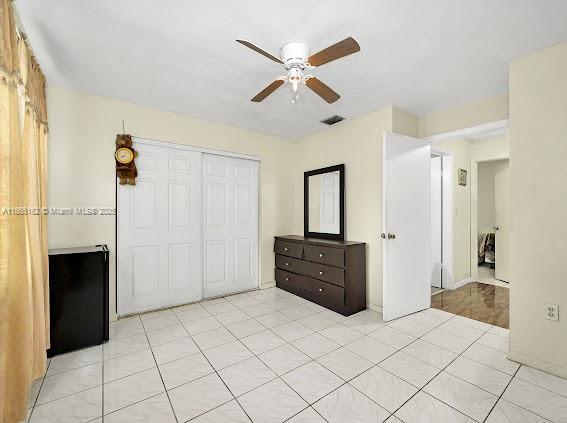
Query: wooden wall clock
x,y
124,155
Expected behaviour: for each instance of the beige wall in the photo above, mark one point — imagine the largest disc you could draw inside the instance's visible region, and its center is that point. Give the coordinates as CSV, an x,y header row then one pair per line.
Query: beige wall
x,y
487,110
81,166
538,198
358,144
87,124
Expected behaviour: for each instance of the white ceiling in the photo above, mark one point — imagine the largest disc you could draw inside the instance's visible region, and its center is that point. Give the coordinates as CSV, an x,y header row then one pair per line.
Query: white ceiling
x,y
180,55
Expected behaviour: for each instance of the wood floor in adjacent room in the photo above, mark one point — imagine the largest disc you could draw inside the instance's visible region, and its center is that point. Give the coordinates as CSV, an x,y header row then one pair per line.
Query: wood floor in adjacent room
x,y
478,301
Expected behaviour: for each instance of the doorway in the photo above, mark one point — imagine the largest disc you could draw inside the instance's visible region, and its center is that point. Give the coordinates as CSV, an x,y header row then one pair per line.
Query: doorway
x,y
449,213
492,222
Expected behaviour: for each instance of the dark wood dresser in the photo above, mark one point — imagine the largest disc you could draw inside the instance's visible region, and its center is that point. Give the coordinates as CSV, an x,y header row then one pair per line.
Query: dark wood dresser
x,y
329,273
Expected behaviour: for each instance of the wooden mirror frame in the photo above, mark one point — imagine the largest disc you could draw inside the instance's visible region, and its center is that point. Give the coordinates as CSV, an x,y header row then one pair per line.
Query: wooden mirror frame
x,y
336,237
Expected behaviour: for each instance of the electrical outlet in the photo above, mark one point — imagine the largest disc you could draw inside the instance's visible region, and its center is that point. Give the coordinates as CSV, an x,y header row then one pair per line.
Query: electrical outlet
x,y
552,312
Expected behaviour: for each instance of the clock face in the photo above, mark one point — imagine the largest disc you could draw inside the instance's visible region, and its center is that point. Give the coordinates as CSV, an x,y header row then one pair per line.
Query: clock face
x,y
124,155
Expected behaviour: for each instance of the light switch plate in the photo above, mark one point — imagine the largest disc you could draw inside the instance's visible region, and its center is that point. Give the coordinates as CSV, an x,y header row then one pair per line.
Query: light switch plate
x,y
552,312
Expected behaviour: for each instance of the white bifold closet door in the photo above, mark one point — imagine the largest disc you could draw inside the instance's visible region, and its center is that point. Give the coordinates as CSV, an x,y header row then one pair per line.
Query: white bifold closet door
x,y
159,231
230,225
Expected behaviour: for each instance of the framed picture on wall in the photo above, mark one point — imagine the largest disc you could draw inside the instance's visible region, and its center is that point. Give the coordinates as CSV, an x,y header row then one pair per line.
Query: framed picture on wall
x,y
463,177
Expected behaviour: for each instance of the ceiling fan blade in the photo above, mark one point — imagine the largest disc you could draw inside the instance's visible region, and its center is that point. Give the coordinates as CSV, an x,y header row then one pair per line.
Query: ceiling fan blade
x,y
336,51
259,50
267,91
322,90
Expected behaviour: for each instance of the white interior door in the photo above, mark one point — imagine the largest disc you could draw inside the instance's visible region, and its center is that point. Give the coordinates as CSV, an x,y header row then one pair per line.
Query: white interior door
x,y
406,258
159,231
436,222
502,217
330,203
230,234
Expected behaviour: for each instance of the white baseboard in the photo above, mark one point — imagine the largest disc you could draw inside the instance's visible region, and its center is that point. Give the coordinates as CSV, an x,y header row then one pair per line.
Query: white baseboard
x,y
375,307
460,283
267,285
536,363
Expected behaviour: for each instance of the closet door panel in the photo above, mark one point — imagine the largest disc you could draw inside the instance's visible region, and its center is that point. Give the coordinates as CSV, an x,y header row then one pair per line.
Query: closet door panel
x,y
231,220
160,230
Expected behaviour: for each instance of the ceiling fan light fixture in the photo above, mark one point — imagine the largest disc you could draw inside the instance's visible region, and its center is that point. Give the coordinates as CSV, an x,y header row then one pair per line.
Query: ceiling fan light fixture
x,y
294,77
295,58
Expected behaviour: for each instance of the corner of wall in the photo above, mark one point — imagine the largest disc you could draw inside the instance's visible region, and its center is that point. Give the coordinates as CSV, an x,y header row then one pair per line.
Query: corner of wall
x,y
404,123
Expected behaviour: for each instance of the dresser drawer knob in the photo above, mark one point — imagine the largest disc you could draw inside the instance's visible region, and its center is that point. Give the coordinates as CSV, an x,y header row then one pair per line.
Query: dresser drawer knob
x,y
321,272
321,255
286,249
287,263
320,290
286,279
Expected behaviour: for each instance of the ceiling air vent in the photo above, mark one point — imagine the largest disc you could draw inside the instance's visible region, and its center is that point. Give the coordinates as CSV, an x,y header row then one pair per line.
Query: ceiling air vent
x,y
332,120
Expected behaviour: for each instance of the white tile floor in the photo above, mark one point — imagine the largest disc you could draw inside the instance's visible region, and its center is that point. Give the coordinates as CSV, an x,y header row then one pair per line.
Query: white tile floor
x,y
269,356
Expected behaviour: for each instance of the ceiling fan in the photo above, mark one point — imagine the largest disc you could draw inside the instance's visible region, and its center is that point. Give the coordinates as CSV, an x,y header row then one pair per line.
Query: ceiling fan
x,y
296,59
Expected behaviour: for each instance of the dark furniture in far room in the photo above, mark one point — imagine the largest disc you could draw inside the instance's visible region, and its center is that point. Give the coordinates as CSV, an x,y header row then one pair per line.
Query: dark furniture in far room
x,y
329,273
78,297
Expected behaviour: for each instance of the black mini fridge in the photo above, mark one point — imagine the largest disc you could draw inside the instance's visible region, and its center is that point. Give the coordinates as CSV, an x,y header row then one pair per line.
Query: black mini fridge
x,y
78,297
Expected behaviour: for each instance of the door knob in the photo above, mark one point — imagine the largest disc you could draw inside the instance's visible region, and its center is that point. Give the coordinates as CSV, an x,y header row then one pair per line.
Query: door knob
x,y
496,228
391,236
388,236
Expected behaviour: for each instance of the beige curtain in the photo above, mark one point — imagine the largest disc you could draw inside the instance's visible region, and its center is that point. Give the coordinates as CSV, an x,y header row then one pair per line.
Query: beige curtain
x,y
24,289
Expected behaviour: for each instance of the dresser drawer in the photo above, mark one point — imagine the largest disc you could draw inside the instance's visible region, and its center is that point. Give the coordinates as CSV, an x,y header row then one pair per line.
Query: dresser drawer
x,y
334,275
325,255
289,264
323,293
289,281
290,249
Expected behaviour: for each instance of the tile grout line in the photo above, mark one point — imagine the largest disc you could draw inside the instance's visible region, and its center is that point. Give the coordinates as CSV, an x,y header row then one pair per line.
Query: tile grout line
x,y
38,392
217,374
366,334
159,372
501,394
516,377
189,336
418,389
270,329
443,370
102,386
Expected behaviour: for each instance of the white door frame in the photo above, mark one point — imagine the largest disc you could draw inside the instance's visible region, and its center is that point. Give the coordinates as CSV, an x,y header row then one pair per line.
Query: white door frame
x,y
447,279
464,133
188,147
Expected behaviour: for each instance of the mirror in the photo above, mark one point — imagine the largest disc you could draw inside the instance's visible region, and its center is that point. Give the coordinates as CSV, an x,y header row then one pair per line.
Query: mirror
x,y
324,203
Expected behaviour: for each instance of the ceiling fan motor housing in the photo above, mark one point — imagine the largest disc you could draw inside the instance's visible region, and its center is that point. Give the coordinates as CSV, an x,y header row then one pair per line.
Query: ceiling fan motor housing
x,y
294,54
